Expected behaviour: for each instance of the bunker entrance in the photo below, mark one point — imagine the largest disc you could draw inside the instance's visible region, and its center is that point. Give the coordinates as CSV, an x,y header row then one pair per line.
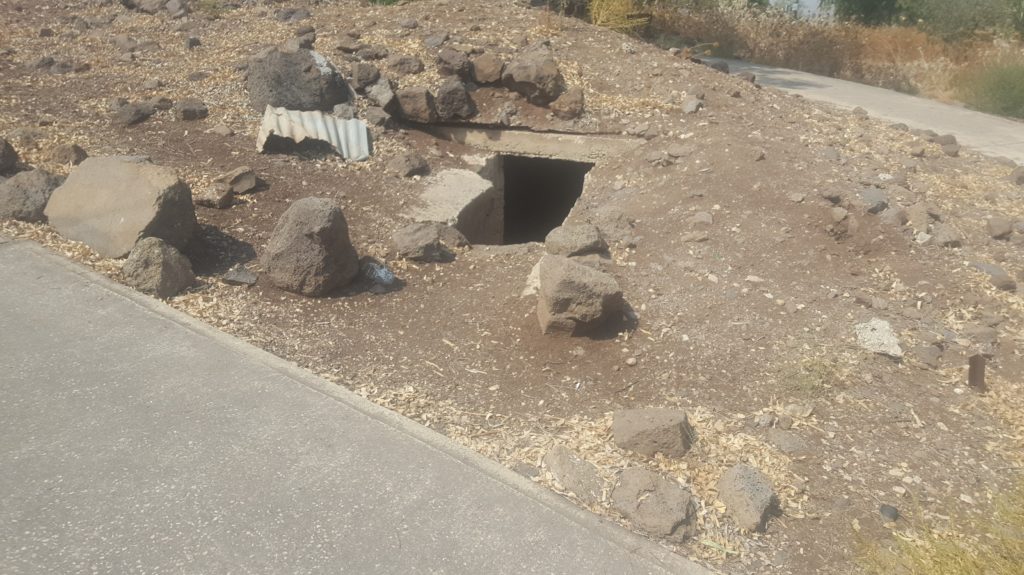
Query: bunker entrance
x,y
538,194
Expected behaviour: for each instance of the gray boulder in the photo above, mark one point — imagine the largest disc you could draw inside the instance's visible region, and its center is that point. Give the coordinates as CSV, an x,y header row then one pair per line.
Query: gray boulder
x,y
109,203
534,73
577,476
655,504
416,104
453,101
24,195
748,496
156,267
651,431
8,156
574,298
300,80
575,240
310,252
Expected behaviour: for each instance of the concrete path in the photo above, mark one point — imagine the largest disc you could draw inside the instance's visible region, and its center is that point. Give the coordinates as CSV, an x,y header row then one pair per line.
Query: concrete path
x,y
134,439
987,134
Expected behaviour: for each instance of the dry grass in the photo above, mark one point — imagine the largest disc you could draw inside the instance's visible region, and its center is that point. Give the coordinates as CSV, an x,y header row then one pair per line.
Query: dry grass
x,y
894,57
622,15
997,549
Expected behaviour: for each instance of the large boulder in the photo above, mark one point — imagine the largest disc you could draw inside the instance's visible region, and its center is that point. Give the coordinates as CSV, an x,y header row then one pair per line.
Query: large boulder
x,y
156,267
309,251
651,431
24,195
534,73
8,156
111,202
748,496
299,80
574,298
655,504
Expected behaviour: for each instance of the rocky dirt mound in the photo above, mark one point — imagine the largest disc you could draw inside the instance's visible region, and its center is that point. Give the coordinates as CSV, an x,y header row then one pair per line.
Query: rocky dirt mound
x,y
800,288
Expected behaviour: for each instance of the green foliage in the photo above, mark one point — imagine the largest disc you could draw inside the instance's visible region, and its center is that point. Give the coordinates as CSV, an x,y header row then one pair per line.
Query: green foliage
x,y
997,88
871,12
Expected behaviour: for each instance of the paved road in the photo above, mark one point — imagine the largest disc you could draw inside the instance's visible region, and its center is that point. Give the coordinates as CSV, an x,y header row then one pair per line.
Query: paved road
x,y
990,135
138,440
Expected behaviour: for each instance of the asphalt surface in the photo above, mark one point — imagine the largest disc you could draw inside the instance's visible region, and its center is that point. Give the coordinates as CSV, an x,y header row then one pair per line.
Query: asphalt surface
x,y
136,439
984,133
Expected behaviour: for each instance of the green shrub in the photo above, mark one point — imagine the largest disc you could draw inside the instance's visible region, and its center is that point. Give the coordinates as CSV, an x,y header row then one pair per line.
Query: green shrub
x,y
996,88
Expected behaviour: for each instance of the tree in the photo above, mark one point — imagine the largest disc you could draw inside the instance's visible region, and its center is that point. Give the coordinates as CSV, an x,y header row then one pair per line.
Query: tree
x,y
870,12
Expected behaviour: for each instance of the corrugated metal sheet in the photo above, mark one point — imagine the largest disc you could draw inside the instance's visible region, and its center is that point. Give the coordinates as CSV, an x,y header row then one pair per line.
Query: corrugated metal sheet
x,y
350,138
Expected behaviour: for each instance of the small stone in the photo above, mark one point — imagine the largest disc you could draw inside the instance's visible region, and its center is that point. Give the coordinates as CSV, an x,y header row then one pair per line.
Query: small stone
x,y
839,214
951,150
239,275
631,361
917,151
364,75
24,195
534,73
575,298
944,139
131,114
157,268
408,23
416,104
575,240
889,513
453,62
190,109
787,442
947,236
222,130
192,42
929,355
404,65
569,105
8,156
68,155
652,431
452,101
874,200
575,475
241,180
877,336
344,111
858,111
218,196
692,105
435,41
997,276
421,242
1017,176
382,94
486,68
407,165
748,496
999,228
160,103
700,220
152,84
